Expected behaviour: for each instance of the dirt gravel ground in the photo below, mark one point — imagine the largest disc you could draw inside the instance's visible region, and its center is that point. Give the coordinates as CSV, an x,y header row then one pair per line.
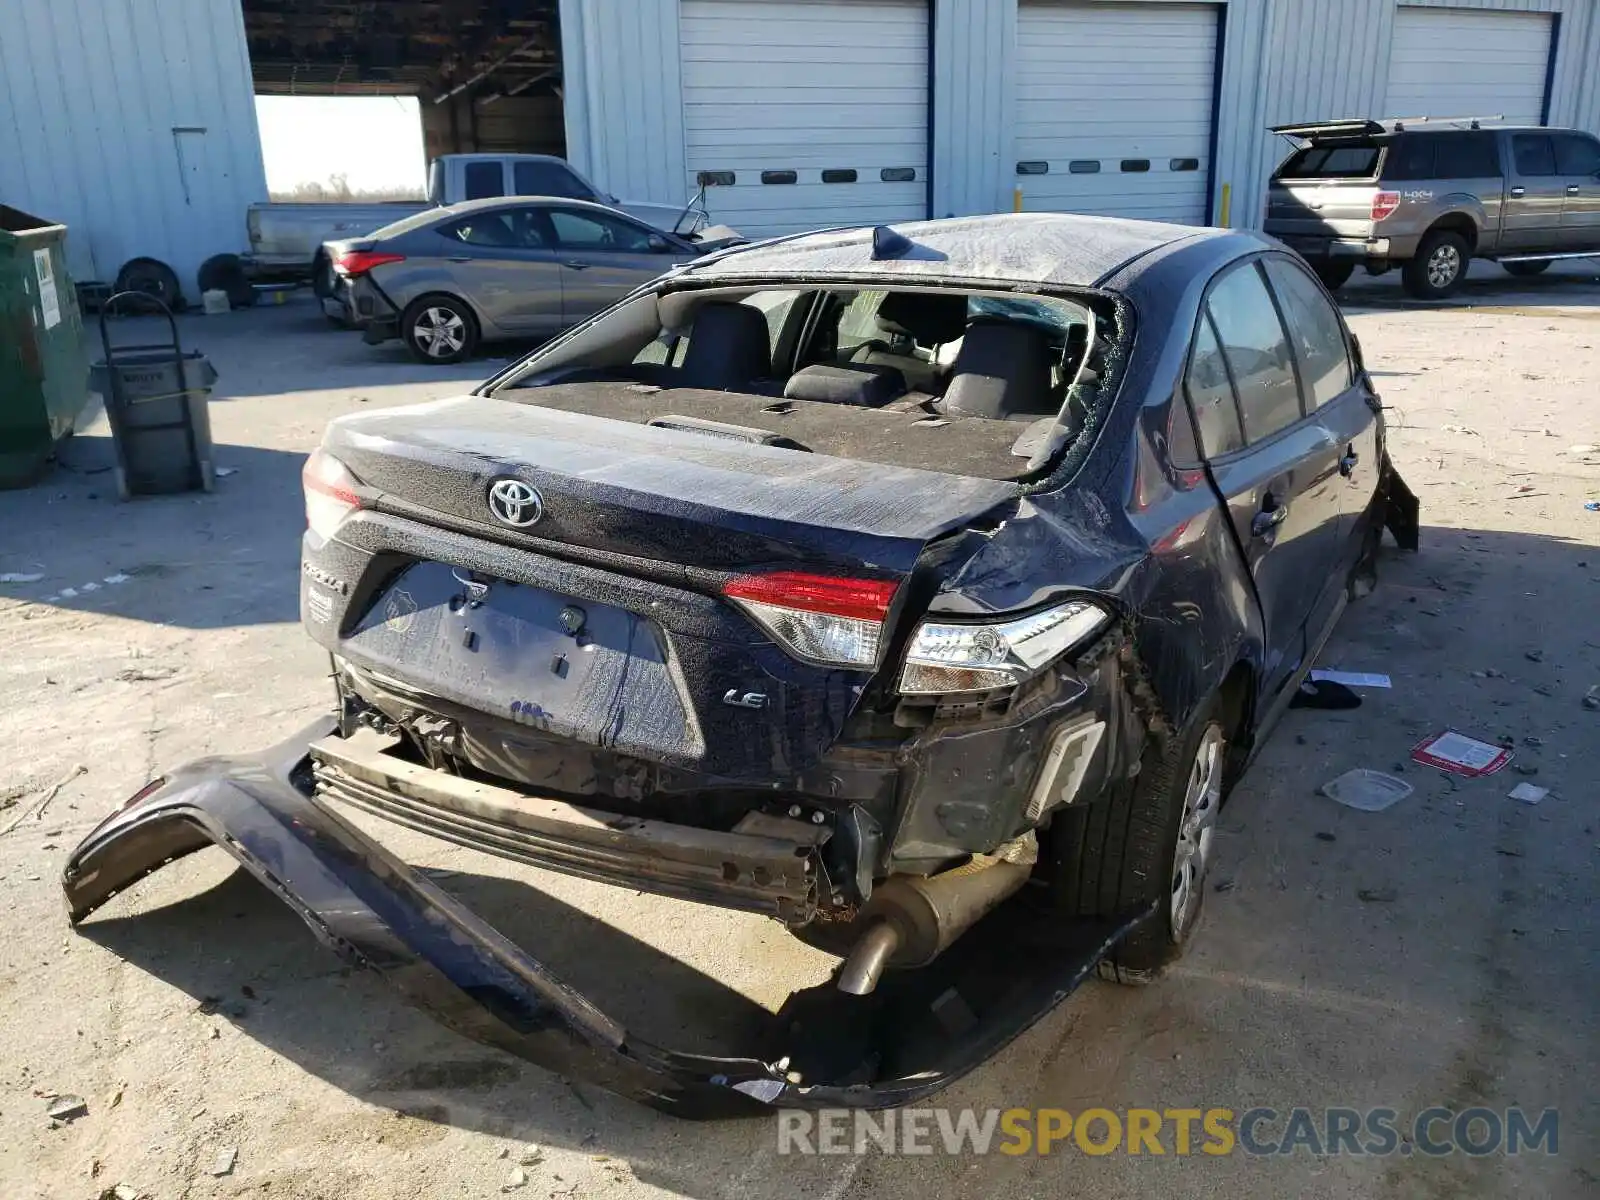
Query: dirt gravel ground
x,y
1445,952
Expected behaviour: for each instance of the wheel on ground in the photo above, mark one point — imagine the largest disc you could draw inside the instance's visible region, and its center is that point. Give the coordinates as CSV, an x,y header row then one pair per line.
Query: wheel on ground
x,y
323,280
439,329
1149,842
1334,274
1524,269
225,272
1439,266
152,277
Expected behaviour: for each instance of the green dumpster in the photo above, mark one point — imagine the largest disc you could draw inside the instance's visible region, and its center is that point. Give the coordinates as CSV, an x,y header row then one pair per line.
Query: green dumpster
x,y
44,370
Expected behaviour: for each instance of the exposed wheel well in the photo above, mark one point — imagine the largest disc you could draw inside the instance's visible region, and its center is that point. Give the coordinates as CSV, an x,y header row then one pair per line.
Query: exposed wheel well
x,y
1458,223
1236,700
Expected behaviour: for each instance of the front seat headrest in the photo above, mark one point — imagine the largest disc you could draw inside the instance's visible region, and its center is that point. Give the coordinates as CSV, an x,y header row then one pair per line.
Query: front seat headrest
x,y
1003,370
928,318
727,348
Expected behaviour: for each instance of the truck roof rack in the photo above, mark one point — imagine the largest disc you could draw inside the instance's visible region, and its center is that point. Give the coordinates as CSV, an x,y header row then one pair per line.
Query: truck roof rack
x,y
1399,123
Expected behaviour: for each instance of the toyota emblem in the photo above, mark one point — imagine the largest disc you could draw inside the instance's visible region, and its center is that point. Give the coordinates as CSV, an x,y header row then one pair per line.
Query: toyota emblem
x,y
515,503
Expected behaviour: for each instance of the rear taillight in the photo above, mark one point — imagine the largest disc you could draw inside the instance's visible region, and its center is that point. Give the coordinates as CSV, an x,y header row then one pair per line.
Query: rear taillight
x,y
359,262
821,618
330,493
1383,204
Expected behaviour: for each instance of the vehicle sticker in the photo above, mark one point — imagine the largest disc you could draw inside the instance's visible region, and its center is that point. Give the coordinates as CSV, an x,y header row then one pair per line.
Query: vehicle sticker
x,y
49,302
319,605
400,611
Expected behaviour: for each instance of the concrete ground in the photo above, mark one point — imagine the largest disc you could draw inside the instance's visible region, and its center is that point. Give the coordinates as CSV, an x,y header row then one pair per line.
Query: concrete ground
x,y
1444,952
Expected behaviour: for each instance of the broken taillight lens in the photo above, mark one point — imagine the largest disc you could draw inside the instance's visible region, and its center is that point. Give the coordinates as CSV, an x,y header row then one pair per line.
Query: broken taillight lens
x,y
330,493
359,262
820,618
1383,204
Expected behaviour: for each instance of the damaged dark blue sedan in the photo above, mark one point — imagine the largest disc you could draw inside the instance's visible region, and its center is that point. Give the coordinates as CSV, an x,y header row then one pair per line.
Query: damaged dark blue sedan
x,y
922,588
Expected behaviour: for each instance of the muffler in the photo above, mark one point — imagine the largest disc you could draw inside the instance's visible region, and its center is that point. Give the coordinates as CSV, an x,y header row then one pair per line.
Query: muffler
x,y
912,919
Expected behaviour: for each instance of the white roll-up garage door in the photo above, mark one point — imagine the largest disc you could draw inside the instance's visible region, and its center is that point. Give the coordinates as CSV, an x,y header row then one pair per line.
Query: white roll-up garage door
x,y
1458,62
1114,108
816,110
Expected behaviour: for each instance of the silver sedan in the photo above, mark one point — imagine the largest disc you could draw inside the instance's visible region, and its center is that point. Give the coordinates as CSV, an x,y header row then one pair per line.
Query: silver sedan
x,y
448,279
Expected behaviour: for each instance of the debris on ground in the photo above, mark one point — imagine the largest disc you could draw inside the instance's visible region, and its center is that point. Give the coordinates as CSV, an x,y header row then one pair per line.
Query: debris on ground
x,y
519,1178
1223,885
36,809
532,1156
121,1191
16,577
1369,679
224,472
1324,694
1460,755
1366,790
67,1108
222,1164
1322,835
1384,895
145,674
1528,793
1592,698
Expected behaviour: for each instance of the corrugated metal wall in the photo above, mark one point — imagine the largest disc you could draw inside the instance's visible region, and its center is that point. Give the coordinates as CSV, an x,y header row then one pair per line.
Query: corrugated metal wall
x,y
1282,60
134,122
623,91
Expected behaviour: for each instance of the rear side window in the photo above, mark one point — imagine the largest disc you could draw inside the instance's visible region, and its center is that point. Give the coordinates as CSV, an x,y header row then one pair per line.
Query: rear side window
x,y
547,179
1314,331
1534,154
1411,158
1347,160
483,180
1256,351
1576,154
1467,155
1216,417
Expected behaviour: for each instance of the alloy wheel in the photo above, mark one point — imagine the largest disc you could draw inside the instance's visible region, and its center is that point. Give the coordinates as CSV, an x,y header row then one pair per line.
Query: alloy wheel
x,y
439,332
1444,264
1202,799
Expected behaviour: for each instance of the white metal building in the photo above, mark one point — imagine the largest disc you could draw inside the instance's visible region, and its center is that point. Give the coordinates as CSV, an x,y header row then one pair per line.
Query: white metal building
x,y
133,121
814,112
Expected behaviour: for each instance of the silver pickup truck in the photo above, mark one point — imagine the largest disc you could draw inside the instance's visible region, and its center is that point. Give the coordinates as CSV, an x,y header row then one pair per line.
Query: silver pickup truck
x,y
286,238
1428,196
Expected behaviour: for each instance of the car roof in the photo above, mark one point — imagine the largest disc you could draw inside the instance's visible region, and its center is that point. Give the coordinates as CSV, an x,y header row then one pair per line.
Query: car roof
x,y
492,203
1043,249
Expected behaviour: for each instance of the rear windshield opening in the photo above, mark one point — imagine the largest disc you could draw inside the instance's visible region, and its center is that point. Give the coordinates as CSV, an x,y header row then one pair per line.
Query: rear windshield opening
x,y
1347,160
894,375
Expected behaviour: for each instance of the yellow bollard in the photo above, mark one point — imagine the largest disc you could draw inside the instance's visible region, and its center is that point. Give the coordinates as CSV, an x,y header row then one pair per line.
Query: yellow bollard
x,y
1227,205
1016,199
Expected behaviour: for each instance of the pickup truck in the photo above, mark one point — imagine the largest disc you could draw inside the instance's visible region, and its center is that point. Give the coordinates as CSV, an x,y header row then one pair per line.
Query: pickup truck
x,y
286,238
1428,197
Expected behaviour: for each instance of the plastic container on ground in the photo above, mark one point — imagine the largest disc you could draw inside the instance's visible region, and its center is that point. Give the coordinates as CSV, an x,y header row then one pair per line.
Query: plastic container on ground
x,y
1368,791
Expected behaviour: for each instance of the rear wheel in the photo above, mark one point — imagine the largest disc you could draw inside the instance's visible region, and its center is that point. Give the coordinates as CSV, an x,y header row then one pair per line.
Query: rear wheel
x,y
1439,267
225,272
323,280
1149,842
152,277
1333,274
1523,269
439,329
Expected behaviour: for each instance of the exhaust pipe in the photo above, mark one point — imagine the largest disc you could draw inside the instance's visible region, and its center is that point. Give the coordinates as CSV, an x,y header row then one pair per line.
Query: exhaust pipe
x,y
912,919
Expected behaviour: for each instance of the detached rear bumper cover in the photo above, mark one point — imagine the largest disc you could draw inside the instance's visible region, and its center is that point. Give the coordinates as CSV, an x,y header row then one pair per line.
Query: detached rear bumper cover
x,y
375,911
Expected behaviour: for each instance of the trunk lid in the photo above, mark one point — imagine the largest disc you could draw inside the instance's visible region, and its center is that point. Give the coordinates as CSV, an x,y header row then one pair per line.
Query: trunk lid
x,y
603,622
1325,188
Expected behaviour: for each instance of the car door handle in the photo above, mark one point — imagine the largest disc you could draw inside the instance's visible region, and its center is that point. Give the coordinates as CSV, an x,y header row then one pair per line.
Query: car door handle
x,y
460,258
1347,464
1266,522
1518,192
1573,189
577,266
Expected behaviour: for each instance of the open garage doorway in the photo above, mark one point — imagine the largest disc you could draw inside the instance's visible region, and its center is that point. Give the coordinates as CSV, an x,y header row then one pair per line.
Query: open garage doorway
x,y
485,74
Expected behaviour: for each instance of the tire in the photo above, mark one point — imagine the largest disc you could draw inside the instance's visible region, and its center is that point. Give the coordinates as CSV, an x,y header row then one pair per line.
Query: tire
x,y
1439,266
1334,275
439,329
1524,269
226,272
323,280
1150,841
152,277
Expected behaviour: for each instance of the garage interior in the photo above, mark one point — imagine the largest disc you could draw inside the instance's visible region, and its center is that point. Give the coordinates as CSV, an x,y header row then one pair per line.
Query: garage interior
x,y
486,73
